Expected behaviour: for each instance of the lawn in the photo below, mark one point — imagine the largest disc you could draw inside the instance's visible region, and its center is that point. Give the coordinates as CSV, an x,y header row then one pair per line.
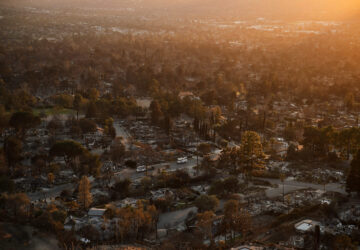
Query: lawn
x,y
54,111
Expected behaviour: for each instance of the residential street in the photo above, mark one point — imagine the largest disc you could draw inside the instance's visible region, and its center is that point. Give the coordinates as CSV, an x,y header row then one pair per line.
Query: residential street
x,y
125,173
173,219
292,185
133,175
50,192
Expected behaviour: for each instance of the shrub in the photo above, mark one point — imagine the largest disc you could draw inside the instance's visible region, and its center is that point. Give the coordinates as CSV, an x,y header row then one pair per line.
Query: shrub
x,y
130,164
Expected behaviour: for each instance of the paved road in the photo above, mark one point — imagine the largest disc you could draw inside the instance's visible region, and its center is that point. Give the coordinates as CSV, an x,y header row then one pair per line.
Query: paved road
x,y
122,132
292,185
153,170
50,192
125,173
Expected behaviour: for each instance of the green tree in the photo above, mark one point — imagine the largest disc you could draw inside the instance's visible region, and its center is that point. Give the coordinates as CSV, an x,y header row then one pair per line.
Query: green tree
x,y
87,126
17,204
6,184
23,121
38,163
3,165
117,150
109,129
93,94
4,118
318,140
347,141
206,203
353,179
231,184
230,159
349,101
21,100
217,188
156,112
204,148
63,100
154,87
89,164
54,125
207,166
78,100
168,124
13,150
67,149
290,133
225,187
291,153
91,111
122,187
146,183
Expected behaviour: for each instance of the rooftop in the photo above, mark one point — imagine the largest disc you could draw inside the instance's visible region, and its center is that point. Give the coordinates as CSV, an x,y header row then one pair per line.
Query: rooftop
x,y
96,211
306,225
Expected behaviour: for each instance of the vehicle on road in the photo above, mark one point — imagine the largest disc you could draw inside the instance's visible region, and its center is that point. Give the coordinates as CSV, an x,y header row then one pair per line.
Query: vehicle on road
x,y
141,169
181,160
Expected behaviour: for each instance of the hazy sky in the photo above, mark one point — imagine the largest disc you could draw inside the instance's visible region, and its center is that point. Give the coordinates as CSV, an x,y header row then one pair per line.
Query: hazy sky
x,y
281,9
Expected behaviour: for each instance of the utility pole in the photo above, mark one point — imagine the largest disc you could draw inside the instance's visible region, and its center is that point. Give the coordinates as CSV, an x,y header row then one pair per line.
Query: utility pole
x,y
282,178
